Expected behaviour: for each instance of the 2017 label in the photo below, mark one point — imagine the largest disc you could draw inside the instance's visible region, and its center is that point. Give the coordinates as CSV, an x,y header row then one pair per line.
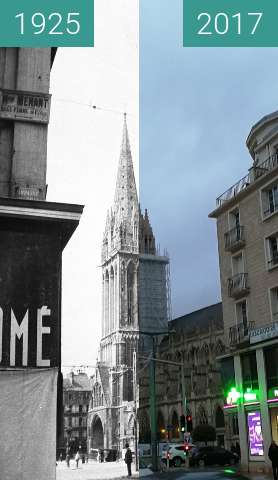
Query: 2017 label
x,y
222,22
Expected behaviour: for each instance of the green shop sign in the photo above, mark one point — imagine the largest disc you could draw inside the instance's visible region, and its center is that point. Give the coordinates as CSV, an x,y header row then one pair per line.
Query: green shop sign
x,y
234,396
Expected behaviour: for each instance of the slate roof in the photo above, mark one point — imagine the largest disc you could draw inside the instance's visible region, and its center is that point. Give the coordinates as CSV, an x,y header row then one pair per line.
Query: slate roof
x,y
199,319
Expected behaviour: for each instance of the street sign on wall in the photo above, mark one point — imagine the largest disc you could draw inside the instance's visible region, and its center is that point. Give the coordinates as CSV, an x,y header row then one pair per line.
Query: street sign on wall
x,y
24,106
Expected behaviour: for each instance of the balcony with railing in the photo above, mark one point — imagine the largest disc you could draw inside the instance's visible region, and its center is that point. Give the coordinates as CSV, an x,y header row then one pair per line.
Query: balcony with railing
x,y
238,285
234,238
254,174
240,333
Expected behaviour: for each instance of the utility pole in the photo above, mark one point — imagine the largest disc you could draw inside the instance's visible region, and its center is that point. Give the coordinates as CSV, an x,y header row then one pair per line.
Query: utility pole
x,y
153,415
135,409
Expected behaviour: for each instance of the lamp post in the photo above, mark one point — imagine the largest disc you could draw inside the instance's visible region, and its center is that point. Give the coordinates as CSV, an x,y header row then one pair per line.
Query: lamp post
x,y
153,414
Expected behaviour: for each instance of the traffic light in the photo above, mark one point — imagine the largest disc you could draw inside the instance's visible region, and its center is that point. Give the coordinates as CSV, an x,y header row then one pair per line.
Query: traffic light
x,y
189,427
182,423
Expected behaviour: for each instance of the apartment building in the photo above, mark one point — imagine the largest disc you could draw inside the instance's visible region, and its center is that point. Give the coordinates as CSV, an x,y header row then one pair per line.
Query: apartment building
x,y
77,389
247,229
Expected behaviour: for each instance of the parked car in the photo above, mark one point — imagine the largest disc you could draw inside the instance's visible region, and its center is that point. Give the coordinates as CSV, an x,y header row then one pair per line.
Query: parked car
x,y
212,456
175,454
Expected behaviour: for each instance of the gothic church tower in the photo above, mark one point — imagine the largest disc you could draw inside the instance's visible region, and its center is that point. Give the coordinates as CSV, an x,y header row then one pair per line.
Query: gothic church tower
x,y
127,241
120,250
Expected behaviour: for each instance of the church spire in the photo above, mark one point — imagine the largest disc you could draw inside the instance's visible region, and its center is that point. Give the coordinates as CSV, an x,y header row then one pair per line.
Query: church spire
x,y
125,200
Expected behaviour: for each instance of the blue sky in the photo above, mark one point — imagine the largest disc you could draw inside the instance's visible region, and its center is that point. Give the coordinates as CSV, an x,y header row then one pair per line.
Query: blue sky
x,y
196,109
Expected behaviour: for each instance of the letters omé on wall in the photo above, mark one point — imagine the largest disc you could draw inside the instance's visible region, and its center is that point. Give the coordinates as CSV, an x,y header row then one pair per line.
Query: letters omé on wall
x,y
29,298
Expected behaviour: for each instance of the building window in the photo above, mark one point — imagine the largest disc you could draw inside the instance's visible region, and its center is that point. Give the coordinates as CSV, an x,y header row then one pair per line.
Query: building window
x,y
241,316
272,251
235,424
274,303
249,371
271,366
270,200
234,221
237,264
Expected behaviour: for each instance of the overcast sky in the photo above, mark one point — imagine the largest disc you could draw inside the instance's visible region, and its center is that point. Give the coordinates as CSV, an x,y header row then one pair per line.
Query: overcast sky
x,y
196,109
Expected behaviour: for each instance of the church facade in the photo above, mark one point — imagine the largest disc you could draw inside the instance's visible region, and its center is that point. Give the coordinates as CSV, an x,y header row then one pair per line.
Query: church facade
x,y
134,295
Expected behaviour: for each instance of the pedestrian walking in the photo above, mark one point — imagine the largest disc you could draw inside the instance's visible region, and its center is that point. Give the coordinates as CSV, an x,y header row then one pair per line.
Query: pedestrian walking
x,y
128,459
273,456
61,457
77,458
68,459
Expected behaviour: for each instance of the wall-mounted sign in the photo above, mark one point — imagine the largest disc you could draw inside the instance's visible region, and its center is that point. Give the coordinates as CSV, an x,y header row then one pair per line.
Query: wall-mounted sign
x,y
256,445
233,396
30,269
24,106
264,333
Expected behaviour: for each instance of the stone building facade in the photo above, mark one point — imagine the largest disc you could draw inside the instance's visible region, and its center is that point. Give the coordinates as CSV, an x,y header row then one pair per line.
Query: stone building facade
x,y
127,237
247,230
76,398
196,340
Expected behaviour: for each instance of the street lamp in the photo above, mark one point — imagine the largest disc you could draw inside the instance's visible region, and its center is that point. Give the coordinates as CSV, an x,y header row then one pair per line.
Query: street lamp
x,y
153,415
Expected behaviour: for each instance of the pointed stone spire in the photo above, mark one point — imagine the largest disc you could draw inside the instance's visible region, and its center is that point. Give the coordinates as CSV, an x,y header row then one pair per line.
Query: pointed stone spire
x,y
125,200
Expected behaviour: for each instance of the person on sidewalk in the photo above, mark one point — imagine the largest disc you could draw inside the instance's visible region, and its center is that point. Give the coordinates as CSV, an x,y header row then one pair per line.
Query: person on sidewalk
x,y
128,459
77,458
273,456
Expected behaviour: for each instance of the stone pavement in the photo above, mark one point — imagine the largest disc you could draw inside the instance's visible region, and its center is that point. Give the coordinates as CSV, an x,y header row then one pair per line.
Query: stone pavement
x,y
92,471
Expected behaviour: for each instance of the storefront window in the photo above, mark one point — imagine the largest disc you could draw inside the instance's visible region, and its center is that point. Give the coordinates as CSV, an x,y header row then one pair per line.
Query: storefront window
x,y
271,366
249,371
227,374
235,424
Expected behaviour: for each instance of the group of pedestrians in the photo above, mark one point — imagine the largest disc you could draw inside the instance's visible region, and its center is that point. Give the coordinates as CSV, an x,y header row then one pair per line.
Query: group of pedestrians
x,y
78,456
84,458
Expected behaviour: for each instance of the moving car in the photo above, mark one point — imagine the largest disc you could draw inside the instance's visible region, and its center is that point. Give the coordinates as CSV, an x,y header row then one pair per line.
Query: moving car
x,y
175,454
212,456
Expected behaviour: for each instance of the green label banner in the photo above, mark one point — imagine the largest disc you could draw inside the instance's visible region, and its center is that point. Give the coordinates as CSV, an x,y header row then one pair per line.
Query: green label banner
x,y
230,23
47,23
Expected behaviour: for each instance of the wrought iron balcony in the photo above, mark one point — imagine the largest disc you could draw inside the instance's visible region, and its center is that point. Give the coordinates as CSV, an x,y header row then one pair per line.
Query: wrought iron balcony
x,y
255,172
238,285
234,239
240,333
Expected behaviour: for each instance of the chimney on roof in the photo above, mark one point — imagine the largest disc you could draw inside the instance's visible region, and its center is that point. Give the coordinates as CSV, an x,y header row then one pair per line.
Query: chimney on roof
x,y
71,376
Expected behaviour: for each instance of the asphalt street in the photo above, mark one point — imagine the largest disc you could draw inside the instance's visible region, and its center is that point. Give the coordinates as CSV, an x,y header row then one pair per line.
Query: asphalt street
x,y
217,474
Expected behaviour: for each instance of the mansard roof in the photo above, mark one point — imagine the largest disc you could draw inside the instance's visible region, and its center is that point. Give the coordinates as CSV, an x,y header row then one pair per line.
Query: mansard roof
x,y
77,382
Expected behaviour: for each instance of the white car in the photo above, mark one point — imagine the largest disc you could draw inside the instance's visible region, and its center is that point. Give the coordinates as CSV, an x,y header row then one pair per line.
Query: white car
x,y
175,453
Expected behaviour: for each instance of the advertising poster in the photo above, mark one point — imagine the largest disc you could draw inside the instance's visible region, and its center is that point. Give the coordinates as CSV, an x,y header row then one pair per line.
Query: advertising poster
x,y
256,444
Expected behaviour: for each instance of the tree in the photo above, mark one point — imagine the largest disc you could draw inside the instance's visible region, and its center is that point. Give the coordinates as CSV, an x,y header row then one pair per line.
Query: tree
x,y
204,433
